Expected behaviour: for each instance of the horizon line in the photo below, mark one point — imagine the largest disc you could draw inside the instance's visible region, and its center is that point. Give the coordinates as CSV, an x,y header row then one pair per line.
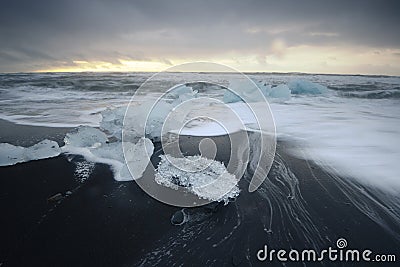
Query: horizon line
x,y
216,72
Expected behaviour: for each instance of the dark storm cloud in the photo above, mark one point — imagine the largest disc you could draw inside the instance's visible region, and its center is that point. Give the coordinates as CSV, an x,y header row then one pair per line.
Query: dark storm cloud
x,y
41,34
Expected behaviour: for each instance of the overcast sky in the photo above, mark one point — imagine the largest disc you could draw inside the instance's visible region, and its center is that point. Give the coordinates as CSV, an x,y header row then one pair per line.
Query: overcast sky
x,y
305,36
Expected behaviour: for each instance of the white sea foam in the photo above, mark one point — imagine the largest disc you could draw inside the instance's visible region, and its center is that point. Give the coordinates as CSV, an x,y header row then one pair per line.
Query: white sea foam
x,y
354,138
358,137
83,170
226,119
214,119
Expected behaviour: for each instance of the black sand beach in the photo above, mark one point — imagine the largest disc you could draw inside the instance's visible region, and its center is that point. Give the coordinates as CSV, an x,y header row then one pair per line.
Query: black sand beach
x,y
27,135
102,222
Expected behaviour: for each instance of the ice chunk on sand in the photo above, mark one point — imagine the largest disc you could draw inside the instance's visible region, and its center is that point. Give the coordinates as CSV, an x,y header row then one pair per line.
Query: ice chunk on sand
x,y
42,150
85,136
138,156
112,121
144,119
91,144
299,87
206,178
147,118
10,154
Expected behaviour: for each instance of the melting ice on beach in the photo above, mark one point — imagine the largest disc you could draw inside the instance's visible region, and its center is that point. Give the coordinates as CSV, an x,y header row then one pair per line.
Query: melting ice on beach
x,y
205,178
350,124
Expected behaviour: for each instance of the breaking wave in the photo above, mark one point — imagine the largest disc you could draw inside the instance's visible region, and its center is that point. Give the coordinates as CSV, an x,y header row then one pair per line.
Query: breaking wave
x,y
376,94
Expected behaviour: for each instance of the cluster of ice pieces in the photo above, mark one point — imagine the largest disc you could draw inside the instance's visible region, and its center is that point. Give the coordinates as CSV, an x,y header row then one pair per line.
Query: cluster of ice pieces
x,y
93,145
206,178
244,90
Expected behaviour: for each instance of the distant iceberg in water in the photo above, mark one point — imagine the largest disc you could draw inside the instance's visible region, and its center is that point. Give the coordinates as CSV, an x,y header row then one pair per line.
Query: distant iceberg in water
x,y
240,91
304,87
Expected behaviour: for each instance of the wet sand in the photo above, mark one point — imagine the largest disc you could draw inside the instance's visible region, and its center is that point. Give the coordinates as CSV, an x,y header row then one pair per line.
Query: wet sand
x,y
102,222
27,135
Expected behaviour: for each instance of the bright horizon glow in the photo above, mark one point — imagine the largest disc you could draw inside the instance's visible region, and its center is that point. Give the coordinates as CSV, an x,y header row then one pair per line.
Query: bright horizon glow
x,y
302,59
103,66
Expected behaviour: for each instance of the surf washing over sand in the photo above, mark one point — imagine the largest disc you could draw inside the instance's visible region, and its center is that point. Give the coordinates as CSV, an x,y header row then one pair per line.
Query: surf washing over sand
x,y
349,124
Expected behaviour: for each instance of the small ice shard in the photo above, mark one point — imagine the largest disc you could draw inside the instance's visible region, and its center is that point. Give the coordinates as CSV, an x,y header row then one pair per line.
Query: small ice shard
x,y
206,178
10,154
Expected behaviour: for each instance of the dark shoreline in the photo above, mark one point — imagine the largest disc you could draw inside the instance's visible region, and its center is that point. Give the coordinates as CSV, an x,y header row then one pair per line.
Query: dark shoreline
x,y
27,135
109,223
